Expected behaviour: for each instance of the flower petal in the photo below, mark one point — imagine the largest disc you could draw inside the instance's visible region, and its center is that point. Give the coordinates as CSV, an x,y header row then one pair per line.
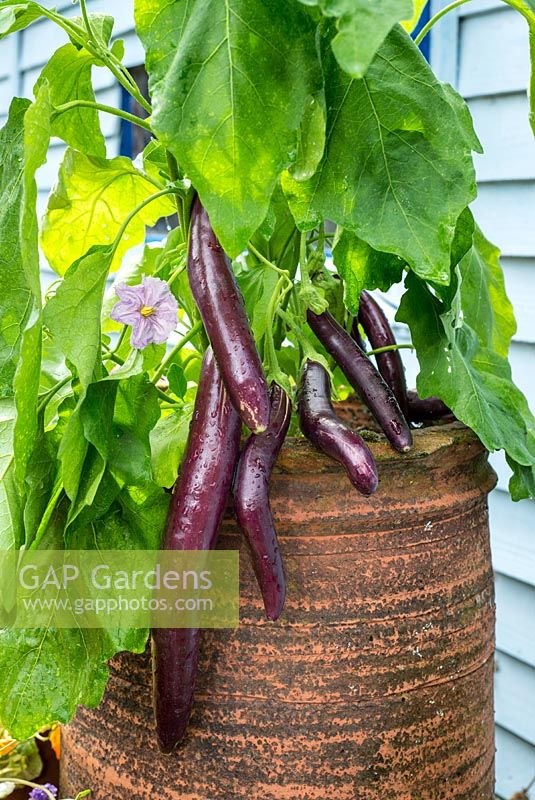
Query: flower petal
x,y
142,333
130,294
156,291
125,313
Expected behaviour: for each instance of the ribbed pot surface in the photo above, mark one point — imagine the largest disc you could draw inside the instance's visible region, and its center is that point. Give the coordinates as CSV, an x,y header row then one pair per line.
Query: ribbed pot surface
x,y
376,683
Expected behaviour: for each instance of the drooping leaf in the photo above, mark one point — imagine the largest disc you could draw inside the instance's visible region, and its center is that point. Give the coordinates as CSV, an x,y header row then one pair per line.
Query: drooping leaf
x,y
68,73
11,522
361,28
47,673
362,267
230,81
485,305
473,380
396,169
92,199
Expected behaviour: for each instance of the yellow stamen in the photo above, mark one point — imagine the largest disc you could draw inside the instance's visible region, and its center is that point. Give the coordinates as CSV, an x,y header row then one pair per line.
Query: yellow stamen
x,y
147,311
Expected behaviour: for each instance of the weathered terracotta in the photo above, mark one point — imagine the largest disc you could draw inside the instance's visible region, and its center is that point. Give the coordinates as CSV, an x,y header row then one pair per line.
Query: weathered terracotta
x,y
376,684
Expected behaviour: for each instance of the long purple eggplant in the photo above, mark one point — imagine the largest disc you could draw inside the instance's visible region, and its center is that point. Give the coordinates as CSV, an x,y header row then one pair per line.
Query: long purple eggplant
x,y
222,309
251,501
364,378
428,408
328,433
380,334
197,506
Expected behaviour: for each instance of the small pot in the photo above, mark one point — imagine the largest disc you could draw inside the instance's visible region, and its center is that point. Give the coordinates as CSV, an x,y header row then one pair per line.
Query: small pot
x,y
376,683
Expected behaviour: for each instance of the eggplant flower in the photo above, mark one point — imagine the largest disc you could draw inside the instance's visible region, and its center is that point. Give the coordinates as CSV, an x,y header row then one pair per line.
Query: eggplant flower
x,y
150,308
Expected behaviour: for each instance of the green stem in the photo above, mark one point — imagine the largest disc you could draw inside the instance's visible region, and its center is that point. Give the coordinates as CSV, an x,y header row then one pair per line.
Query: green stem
x,y
305,277
306,346
274,370
113,64
142,123
176,349
266,261
136,210
50,394
390,348
174,174
425,30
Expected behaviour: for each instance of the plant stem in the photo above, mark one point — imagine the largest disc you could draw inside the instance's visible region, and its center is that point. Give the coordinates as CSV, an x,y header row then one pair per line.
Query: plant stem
x,y
174,174
271,354
176,349
142,123
50,394
425,30
389,348
266,261
306,346
136,210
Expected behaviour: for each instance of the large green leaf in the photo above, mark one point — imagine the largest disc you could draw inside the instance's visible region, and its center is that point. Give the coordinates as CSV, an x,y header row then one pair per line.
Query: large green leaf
x,y
230,81
90,202
23,146
397,168
472,379
362,267
361,28
47,673
68,73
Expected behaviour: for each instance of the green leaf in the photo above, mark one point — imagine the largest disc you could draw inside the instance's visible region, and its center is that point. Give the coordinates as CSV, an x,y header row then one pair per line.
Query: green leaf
x,y
397,170
485,305
311,142
15,16
168,443
136,413
473,380
68,73
47,673
11,522
101,26
361,29
177,380
230,81
72,315
362,267
90,202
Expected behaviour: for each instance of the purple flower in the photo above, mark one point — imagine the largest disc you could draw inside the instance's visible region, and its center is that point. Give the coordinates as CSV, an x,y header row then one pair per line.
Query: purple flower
x,y
150,308
39,794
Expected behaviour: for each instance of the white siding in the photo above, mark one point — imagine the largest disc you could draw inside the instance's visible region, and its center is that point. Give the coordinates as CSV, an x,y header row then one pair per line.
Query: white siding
x,y
483,51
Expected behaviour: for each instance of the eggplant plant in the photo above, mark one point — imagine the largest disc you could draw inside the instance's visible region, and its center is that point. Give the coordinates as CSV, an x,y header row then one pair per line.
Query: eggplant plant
x,y
303,155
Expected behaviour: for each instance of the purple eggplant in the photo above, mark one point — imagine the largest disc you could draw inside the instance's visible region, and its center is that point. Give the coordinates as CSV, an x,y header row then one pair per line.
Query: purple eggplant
x,y
251,501
197,506
222,309
380,334
329,434
429,408
364,378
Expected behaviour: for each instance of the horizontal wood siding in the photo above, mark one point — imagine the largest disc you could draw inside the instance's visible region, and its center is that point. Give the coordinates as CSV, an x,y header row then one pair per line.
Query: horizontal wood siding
x,y
489,65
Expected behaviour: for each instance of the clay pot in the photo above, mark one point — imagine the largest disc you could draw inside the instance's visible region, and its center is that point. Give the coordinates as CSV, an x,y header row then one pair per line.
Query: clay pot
x,y
377,681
